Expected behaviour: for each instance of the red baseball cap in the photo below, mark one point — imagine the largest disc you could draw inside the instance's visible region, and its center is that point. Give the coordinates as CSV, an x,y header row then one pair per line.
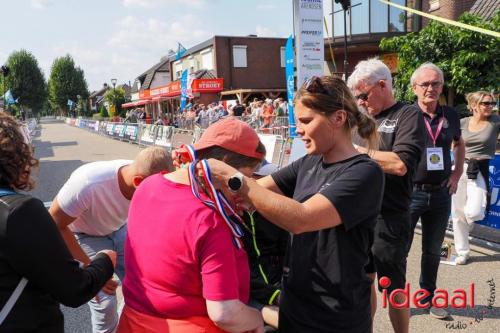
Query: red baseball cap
x,y
231,134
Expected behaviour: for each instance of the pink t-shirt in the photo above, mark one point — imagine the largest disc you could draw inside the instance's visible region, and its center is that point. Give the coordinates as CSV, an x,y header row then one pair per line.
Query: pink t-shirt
x,y
178,253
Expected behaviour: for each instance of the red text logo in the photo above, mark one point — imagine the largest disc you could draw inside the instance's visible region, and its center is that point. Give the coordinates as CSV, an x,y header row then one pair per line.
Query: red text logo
x,y
441,299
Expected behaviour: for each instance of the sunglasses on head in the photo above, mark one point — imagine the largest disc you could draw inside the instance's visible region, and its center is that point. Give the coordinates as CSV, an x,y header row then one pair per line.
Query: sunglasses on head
x,y
314,86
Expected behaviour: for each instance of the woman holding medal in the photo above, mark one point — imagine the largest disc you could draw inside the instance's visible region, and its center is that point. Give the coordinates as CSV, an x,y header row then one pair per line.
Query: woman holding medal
x,y
480,133
329,201
186,267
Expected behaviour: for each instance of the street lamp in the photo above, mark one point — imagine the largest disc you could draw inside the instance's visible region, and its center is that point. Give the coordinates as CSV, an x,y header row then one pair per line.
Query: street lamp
x,y
78,104
113,82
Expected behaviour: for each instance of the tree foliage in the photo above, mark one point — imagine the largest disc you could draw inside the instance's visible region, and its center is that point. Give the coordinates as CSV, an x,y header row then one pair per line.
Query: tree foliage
x,y
26,80
469,60
66,81
115,97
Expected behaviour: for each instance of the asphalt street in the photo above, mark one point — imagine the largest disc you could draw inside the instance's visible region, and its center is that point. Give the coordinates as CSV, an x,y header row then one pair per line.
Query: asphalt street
x,y
61,149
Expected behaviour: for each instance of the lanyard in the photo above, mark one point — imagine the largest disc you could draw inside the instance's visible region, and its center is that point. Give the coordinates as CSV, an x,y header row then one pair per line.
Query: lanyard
x,y
429,129
217,201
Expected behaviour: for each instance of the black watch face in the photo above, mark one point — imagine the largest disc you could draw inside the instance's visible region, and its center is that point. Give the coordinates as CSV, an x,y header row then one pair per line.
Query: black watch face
x,y
234,183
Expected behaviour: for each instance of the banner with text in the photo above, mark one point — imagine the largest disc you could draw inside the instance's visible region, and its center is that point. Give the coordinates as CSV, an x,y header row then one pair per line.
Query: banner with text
x,y
309,43
290,83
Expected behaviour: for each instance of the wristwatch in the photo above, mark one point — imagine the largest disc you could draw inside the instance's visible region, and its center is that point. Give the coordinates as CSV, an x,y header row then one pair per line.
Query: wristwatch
x,y
235,182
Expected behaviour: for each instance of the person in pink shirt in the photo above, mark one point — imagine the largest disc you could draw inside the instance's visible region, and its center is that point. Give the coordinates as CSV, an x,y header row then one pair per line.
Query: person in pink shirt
x,y
184,270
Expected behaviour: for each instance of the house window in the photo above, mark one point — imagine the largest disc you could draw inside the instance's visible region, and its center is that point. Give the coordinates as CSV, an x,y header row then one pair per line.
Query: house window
x,y
178,69
207,61
282,56
239,55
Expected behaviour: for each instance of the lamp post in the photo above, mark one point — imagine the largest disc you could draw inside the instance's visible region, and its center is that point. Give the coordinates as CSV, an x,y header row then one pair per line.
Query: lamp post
x,y
78,104
346,6
113,82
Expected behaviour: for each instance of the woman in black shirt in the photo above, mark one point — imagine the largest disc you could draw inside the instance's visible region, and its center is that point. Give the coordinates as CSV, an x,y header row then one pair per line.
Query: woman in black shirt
x,y
31,247
329,201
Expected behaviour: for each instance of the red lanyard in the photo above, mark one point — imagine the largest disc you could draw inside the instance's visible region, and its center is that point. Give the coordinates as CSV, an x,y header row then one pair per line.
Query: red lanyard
x,y
429,129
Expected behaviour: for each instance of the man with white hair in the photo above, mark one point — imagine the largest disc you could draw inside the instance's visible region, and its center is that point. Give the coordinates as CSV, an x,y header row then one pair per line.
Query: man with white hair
x,y
401,133
91,212
435,181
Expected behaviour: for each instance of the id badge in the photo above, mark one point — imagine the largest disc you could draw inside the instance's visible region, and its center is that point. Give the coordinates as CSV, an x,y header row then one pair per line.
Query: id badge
x,y
435,160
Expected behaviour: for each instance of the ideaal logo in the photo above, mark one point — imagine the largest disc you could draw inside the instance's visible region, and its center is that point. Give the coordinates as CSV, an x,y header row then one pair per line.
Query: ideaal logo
x,y
478,317
441,298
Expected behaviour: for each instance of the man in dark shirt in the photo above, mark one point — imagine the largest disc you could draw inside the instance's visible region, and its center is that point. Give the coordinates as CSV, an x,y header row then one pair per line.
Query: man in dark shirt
x,y
400,128
435,182
238,109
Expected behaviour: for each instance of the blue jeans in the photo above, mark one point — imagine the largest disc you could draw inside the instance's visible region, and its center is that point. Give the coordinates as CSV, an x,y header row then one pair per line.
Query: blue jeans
x,y
105,314
433,208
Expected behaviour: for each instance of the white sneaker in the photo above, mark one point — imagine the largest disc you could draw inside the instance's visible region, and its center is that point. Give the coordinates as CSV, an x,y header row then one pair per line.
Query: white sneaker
x,y
461,260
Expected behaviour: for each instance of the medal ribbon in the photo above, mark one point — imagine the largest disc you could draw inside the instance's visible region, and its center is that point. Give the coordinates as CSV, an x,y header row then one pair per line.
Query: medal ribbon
x,y
217,200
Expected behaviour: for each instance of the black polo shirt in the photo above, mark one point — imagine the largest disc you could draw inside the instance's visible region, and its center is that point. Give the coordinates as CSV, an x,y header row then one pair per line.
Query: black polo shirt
x,y
401,130
450,132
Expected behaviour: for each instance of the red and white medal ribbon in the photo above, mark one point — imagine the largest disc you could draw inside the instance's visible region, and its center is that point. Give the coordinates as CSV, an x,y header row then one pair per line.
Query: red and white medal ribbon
x,y
216,200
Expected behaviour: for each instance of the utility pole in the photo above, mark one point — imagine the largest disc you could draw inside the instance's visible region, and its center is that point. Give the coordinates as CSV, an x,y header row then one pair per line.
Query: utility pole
x,y
346,6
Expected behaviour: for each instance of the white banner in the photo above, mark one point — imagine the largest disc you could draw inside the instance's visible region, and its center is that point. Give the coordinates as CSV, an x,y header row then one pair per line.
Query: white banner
x,y
309,39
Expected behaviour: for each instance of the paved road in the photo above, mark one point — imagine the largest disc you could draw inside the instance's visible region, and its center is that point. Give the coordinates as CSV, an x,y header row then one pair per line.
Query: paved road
x,y
61,149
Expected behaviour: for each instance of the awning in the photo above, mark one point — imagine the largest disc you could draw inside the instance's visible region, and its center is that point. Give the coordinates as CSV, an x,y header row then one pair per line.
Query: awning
x,y
136,103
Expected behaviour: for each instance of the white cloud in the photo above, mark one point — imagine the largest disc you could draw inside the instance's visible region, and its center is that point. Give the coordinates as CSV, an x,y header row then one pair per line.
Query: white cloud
x,y
157,35
165,3
265,32
40,4
266,6
135,46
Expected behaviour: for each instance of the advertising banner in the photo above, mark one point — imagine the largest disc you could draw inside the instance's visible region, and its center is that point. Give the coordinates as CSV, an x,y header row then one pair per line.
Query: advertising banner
x,y
290,83
309,43
131,132
184,90
492,218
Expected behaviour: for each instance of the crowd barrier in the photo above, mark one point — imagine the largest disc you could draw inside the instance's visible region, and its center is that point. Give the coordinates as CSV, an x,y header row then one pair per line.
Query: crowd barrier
x,y
281,149
278,146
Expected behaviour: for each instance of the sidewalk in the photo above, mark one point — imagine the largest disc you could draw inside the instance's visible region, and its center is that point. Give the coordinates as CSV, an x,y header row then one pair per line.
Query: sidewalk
x,y
484,265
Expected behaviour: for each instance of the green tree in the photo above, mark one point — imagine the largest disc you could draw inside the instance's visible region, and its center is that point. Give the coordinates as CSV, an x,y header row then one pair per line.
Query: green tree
x,y
66,81
116,97
103,112
470,60
26,80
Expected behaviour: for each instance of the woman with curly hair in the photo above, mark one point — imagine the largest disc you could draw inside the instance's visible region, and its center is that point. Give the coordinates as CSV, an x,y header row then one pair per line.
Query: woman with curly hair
x,y
37,271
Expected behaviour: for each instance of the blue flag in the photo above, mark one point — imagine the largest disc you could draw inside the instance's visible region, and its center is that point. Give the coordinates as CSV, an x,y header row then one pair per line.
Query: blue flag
x,y
184,79
180,51
290,84
9,99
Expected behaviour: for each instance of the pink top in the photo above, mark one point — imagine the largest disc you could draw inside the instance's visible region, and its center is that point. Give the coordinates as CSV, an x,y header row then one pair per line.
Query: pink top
x,y
178,253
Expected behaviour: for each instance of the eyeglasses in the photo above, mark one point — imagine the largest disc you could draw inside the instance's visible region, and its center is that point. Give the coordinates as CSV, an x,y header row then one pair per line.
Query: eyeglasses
x,y
434,84
364,96
314,86
492,104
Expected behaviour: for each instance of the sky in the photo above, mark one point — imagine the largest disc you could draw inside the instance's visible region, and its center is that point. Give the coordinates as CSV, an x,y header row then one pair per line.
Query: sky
x,y
123,38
